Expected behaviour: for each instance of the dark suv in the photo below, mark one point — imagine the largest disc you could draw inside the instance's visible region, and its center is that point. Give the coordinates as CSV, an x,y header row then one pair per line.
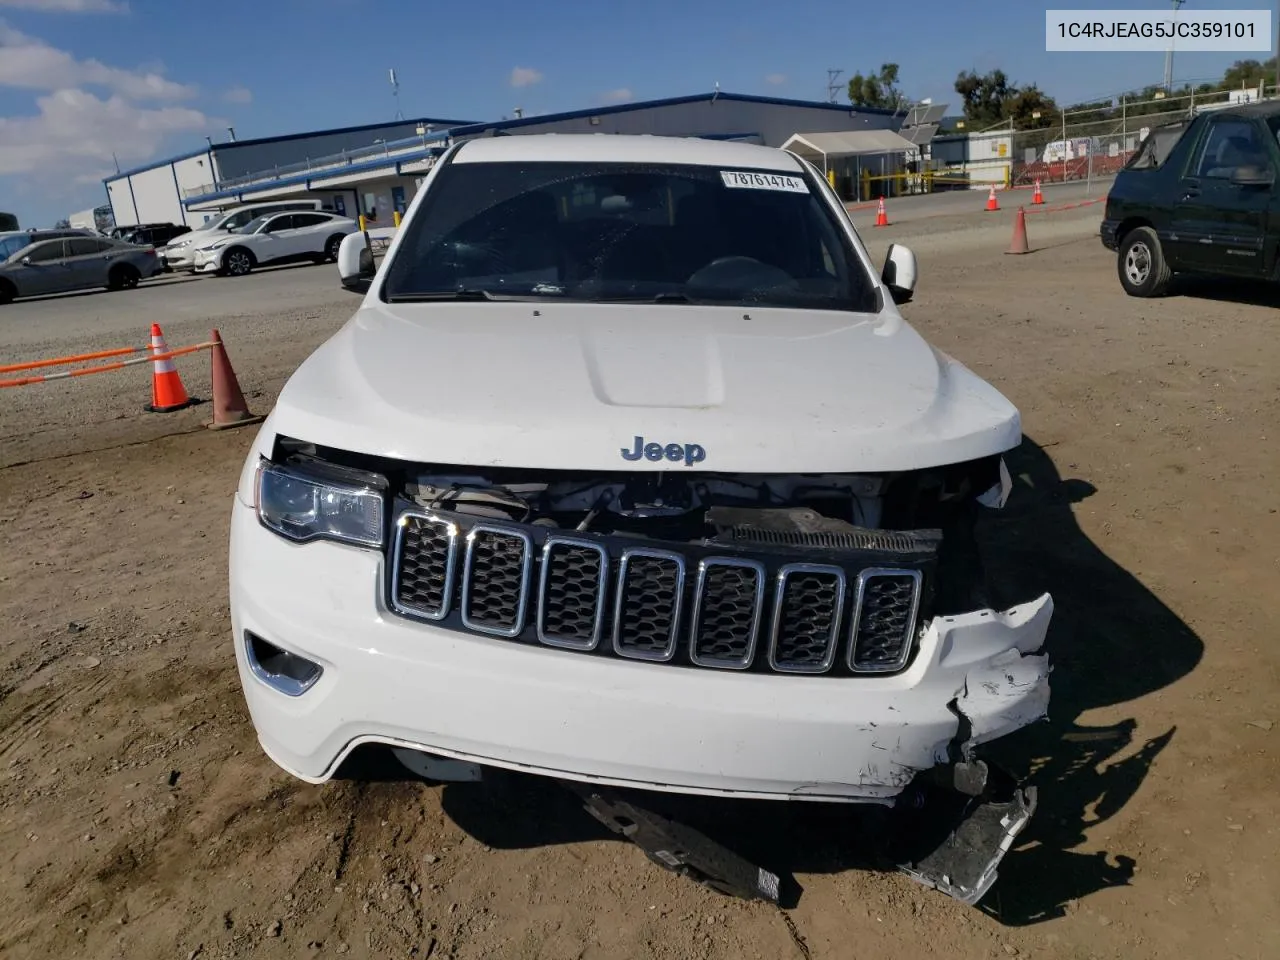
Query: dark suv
x,y
153,234
1198,197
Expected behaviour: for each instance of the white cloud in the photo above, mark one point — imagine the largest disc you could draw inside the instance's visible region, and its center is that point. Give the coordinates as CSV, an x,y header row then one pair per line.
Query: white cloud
x,y
75,134
621,95
776,79
68,6
31,64
525,77
238,95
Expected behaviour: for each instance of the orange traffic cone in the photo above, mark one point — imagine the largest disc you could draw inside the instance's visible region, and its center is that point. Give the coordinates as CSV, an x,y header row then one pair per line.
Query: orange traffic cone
x,y
882,218
229,408
1037,197
992,204
1019,242
167,392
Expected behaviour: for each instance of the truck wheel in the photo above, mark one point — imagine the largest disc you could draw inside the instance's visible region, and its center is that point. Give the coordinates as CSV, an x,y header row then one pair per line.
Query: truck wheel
x,y
1143,270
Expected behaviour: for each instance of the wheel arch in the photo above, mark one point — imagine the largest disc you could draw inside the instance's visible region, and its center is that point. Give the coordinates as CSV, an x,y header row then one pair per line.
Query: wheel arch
x,y
1130,224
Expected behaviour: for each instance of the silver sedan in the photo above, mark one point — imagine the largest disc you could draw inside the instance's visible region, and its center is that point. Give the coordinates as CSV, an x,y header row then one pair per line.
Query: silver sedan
x,y
75,263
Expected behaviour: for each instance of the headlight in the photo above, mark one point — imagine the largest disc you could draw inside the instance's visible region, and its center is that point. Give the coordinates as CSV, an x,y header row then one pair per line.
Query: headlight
x,y
215,246
321,502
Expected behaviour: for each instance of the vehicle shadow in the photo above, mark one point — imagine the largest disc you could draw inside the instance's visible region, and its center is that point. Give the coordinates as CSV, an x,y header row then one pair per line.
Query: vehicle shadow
x,y
150,283
1255,293
1111,642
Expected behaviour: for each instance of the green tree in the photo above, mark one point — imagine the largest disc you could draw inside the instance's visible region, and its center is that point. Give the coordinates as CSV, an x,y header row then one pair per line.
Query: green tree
x,y
1024,103
985,97
1248,73
879,90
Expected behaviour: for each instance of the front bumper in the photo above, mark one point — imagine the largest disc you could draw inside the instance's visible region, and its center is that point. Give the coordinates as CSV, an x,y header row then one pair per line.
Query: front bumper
x,y
181,259
632,724
1108,233
205,262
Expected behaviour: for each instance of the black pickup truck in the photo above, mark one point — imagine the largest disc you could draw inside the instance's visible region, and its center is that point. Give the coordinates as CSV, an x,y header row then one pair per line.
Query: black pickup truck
x,y
1199,197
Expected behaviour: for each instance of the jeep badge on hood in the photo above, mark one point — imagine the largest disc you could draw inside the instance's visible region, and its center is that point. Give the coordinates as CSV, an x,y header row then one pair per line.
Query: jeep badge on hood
x,y
690,453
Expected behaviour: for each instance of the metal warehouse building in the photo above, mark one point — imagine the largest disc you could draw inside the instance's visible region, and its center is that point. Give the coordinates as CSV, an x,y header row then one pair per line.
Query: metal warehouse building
x,y
375,170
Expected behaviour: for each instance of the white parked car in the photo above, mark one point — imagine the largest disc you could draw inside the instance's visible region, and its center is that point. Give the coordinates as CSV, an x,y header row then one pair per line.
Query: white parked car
x,y
628,471
274,239
177,254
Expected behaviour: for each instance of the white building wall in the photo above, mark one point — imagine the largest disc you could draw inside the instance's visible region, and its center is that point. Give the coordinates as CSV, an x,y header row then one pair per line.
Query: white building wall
x,y
122,202
156,195
83,220
191,173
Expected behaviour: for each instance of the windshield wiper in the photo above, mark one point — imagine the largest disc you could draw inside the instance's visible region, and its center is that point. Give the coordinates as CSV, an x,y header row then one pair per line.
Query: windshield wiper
x,y
669,296
457,295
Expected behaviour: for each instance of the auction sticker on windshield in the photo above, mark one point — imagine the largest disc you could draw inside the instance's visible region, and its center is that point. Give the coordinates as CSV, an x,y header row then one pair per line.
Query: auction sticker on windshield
x,y
763,181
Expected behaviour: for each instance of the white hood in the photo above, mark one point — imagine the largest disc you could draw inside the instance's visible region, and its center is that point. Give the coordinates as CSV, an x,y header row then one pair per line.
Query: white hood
x,y
572,385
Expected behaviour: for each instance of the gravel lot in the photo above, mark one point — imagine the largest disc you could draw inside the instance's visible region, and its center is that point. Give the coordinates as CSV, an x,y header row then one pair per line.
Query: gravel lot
x,y
139,818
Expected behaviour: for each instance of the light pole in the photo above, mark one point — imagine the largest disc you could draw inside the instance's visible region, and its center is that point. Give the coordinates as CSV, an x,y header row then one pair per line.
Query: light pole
x,y
1168,55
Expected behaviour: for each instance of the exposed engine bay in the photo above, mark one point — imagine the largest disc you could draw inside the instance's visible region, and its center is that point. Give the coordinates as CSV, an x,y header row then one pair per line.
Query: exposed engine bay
x,y
931,511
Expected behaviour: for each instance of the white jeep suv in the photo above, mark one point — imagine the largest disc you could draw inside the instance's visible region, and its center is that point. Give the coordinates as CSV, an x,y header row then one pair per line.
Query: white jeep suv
x,y
628,471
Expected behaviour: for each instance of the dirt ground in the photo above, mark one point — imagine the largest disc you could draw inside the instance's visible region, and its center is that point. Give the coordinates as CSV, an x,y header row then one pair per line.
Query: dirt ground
x,y
139,818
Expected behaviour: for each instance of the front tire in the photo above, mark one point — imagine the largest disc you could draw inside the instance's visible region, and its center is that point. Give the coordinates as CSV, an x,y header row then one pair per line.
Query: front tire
x,y
7,292
237,261
1141,264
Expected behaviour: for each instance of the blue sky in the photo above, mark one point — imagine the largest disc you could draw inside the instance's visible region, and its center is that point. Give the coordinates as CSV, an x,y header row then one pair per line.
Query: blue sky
x,y
83,79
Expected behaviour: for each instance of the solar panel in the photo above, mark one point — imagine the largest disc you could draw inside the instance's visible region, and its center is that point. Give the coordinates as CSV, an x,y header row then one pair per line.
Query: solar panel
x,y
922,114
920,135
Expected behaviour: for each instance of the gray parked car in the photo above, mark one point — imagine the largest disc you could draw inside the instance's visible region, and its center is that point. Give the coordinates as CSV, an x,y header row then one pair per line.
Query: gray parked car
x,y
74,263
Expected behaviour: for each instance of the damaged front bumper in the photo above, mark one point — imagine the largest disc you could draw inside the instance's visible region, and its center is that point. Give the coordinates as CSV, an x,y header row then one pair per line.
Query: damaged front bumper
x,y
382,679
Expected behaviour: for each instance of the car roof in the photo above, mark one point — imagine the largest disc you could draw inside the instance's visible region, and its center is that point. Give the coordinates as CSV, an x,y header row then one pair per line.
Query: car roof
x,y
1261,109
623,148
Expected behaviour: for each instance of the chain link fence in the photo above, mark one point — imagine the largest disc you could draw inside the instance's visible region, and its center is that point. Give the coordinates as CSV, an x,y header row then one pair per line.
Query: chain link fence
x,y
1092,144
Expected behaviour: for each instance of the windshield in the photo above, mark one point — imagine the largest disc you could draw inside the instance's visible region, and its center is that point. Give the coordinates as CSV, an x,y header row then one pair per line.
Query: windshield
x,y
253,226
628,232
11,245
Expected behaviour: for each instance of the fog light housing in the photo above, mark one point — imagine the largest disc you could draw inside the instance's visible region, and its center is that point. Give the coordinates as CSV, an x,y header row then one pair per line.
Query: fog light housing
x,y
285,672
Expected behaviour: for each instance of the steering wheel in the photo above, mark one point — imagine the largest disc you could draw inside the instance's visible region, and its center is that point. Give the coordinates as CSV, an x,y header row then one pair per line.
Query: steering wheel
x,y
740,273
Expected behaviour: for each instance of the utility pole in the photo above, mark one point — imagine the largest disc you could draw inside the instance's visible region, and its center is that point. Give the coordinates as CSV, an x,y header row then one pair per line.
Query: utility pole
x,y
395,91
833,87
1168,56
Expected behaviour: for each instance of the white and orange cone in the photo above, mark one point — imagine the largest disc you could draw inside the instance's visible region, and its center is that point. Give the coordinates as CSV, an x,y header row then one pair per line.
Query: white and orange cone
x,y
167,392
1037,197
882,218
992,203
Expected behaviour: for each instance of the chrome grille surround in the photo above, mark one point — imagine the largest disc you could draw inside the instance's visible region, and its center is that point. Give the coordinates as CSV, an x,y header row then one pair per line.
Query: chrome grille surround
x,y
792,661
440,524
478,553
603,595
560,545
723,608
868,625
629,647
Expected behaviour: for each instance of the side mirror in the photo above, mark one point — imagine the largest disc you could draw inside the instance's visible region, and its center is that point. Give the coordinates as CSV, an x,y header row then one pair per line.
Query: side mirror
x,y
355,263
899,273
1253,176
